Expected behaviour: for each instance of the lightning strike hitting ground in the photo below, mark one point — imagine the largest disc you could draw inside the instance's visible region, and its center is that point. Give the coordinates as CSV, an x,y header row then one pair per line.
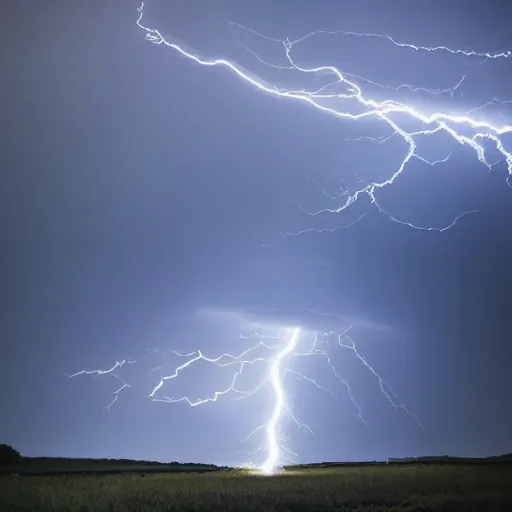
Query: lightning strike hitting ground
x,y
275,376
343,96
281,352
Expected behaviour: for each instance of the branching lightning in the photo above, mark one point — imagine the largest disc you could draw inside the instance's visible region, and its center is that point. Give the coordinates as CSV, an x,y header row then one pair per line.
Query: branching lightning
x,y
418,48
281,351
343,96
352,97
110,372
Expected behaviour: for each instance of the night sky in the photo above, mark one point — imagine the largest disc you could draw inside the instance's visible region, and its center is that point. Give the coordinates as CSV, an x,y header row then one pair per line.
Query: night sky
x,y
139,189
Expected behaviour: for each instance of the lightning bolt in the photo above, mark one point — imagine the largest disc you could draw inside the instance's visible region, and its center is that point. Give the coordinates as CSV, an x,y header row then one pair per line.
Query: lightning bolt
x,y
418,48
281,353
344,88
269,465
281,350
97,373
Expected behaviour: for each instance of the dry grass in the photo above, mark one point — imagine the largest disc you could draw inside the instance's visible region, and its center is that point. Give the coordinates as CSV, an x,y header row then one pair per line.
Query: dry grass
x,y
405,489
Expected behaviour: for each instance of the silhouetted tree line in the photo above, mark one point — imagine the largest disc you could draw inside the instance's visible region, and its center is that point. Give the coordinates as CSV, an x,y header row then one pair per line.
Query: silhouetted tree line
x,y
8,455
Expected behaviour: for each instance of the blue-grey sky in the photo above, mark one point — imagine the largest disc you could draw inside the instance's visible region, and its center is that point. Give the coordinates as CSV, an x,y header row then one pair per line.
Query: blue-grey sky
x,y
140,189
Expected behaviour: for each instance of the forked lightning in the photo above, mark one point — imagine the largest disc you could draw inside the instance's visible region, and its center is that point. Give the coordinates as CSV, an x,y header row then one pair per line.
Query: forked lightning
x,y
345,97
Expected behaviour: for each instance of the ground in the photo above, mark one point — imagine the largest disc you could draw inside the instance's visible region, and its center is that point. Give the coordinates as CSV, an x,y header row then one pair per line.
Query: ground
x,y
398,488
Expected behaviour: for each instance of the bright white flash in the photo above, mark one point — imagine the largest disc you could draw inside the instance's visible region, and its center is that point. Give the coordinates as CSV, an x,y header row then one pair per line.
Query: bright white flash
x,y
270,463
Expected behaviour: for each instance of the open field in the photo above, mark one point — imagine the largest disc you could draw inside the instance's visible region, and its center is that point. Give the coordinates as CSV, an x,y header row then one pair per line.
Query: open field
x,y
45,466
381,488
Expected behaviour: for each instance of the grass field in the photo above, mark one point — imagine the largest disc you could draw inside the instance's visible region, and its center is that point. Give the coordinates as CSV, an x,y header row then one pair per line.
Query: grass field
x,y
400,488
